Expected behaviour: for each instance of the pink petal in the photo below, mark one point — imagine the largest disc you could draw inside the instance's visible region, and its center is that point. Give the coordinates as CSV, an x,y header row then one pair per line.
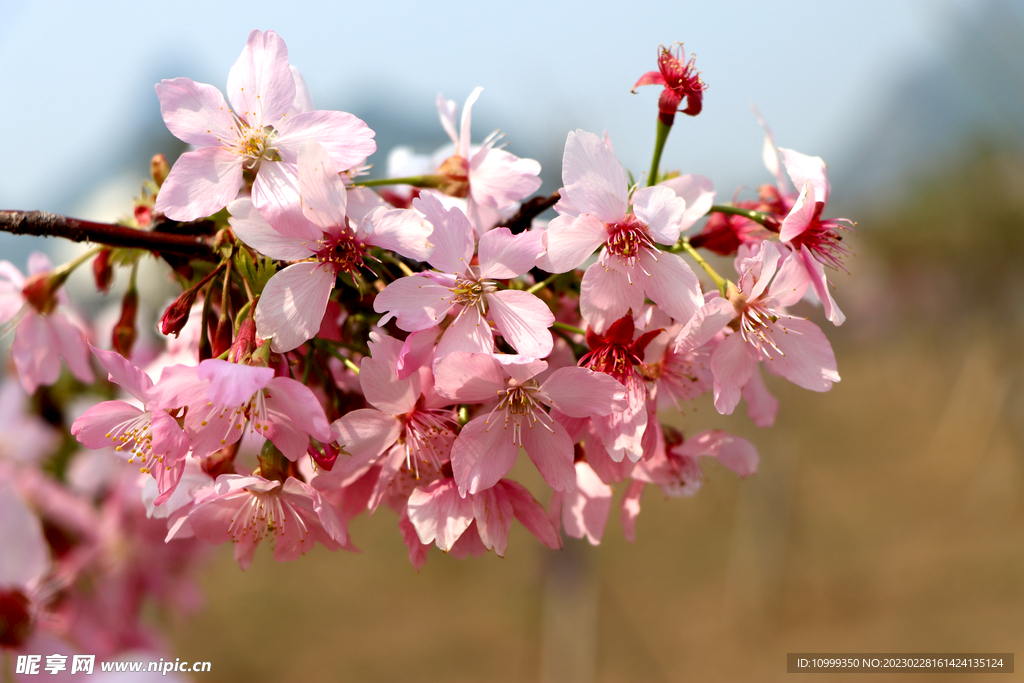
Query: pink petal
x,y
297,401
800,216
417,350
571,240
672,285
293,304
402,231
503,255
483,453
232,384
500,179
790,281
447,109
607,293
804,169
621,433
364,434
697,191
439,513
709,320
347,139
276,194
92,427
200,184
416,549
761,405
124,374
452,236
650,78
806,357
469,377
26,555
631,508
732,363
735,452
36,352
416,302
73,347
585,510
468,332
464,133
551,452
530,513
816,271
249,226
593,177
523,320
381,386
323,193
493,512
579,392
660,210
520,368
196,113
261,87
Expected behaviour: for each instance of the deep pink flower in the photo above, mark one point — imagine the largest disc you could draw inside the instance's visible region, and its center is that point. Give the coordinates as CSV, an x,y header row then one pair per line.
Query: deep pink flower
x,y
262,135
680,80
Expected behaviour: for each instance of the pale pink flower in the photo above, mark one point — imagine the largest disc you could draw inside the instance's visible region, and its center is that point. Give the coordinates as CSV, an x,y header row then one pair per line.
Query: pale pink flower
x,y
246,510
440,515
595,211
470,292
487,446
487,176
148,434
43,334
262,135
224,398
794,347
23,563
292,305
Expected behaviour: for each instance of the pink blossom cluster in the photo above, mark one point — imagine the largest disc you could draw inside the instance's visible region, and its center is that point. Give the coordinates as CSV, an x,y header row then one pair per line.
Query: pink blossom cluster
x,y
346,347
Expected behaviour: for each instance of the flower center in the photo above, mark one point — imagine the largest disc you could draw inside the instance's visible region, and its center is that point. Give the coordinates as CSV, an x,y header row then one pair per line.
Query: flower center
x,y
472,292
627,239
343,252
255,144
522,409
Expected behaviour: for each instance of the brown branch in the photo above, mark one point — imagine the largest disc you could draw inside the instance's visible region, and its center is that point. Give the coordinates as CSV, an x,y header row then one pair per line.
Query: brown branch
x,y
530,209
45,224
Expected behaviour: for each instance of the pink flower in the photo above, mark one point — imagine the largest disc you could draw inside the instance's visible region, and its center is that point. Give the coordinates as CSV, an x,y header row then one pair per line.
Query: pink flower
x,y
43,334
262,135
223,398
488,177
440,515
488,445
583,511
595,211
679,81
794,347
149,434
816,242
470,291
292,305
246,510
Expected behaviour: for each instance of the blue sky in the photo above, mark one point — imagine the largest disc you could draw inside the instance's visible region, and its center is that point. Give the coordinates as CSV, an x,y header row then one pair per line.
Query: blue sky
x,y
77,79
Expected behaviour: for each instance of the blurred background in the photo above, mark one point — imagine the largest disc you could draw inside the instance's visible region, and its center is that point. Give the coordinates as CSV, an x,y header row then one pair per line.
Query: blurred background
x,y
887,515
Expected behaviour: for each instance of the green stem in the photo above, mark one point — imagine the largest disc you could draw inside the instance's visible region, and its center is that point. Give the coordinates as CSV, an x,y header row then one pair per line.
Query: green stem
x,y
568,328
756,216
659,145
543,283
416,181
349,364
719,281
61,273
406,270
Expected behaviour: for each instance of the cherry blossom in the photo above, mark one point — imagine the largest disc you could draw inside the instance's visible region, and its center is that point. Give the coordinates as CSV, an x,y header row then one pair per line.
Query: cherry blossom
x,y
680,80
259,134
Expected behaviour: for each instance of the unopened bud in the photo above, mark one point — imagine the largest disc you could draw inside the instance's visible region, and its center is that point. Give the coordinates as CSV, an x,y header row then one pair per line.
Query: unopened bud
x,y
143,215
15,618
159,169
323,454
245,341
221,340
124,334
39,291
176,315
102,271
455,170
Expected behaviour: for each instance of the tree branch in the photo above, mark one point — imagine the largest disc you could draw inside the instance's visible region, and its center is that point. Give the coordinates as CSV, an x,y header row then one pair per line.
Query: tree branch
x,y
530,209
46,224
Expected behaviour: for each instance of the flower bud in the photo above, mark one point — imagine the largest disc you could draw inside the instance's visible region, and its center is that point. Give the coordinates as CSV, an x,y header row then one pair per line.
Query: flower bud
x,y
124,334
176,315
245,341
221,340
159,169
102,271
15,618
40,292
